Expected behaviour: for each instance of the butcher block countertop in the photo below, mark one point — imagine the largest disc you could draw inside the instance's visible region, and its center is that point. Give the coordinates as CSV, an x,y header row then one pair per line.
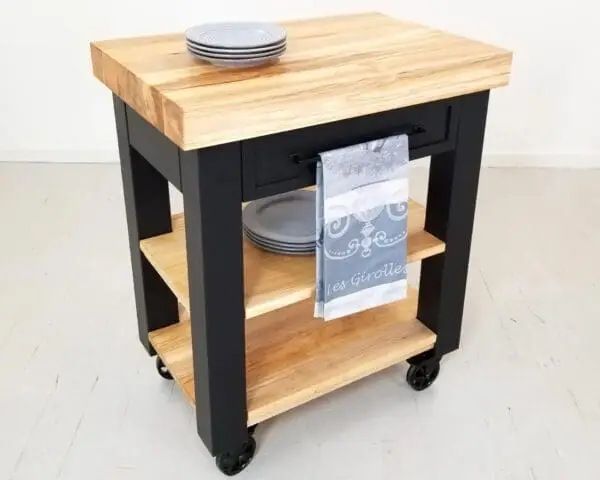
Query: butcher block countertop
x,y
334,68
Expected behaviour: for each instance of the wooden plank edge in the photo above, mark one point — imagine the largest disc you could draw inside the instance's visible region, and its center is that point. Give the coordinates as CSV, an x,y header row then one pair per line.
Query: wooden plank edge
x,y
494,72
181,331
429,246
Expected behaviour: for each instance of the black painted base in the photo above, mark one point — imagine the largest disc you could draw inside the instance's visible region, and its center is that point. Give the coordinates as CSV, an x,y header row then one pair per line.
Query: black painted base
x,y
215,180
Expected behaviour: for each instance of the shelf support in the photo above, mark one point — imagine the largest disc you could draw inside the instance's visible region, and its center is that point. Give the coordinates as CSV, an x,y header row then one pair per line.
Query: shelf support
x,y
212,195
148,213
451,199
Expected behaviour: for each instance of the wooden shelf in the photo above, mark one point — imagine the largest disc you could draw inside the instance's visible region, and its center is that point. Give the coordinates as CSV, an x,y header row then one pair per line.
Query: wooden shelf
x,y
271,281
292,358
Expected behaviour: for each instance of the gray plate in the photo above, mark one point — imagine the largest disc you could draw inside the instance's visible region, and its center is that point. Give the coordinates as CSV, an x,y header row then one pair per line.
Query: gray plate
x,y
236,34
309,247
272,249
246,63
239,56
285,218
281,251
235,51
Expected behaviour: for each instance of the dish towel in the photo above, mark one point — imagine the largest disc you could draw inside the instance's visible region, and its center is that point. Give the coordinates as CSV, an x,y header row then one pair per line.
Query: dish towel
x,y
362,212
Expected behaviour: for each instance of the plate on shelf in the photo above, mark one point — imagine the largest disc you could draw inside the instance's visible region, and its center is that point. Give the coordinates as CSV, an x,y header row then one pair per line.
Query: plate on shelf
x,y
236,34
287,218
281,251
282,246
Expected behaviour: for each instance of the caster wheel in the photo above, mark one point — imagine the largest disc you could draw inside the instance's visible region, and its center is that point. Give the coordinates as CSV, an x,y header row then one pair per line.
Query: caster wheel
x,y
162,369
233,464
422,375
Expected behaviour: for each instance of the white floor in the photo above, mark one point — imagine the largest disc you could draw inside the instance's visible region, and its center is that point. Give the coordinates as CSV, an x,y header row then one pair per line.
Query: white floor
x,y
80,400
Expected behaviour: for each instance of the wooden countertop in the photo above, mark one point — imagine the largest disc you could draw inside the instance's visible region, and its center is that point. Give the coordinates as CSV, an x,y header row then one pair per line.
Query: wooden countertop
x,y
334,68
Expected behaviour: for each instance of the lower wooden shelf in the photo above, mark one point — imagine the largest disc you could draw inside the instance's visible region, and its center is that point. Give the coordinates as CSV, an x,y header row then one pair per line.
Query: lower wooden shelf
x,y
292,358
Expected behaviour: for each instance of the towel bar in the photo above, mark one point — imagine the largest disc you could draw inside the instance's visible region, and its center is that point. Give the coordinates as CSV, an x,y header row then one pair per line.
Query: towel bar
x,y
404,130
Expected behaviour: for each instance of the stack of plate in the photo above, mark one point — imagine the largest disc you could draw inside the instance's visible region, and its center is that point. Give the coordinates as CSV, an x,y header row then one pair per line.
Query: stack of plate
x,y
236,44
283,223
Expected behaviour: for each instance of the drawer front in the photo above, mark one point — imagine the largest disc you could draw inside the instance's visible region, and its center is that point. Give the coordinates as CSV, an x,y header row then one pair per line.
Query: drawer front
x,y
273,164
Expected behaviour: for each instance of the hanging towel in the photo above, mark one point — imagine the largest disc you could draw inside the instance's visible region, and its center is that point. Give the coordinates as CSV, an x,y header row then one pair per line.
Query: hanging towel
x,y
361,214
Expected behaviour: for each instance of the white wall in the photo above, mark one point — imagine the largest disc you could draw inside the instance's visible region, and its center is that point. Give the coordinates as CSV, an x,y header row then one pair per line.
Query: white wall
x,y
53,109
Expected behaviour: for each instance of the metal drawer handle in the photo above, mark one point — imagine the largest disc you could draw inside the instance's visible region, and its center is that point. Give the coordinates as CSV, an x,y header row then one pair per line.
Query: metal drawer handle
x,y
303,160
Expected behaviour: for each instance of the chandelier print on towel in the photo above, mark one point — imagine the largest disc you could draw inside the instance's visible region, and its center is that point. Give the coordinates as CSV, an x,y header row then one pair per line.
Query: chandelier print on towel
x,y
360,233
362,213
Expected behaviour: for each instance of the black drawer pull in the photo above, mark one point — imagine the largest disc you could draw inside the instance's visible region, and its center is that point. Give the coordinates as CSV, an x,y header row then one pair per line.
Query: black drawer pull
x,y
409,130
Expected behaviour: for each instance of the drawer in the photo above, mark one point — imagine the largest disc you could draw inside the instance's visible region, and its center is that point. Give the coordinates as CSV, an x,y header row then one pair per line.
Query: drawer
x,y
277,163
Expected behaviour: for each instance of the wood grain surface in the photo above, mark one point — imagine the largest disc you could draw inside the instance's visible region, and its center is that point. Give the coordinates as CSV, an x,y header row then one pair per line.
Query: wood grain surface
x,y
334,68
271,281
292,358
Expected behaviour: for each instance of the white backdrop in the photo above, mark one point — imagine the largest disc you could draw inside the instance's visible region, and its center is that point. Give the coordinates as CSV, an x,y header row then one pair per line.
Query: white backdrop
x,y
52,109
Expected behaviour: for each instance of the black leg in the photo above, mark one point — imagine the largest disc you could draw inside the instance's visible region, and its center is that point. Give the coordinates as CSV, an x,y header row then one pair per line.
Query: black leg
x,y
148,214
212,196
453,181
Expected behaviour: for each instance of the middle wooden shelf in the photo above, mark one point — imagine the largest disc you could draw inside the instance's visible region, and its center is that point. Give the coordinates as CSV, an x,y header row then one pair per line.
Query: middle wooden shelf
x,y
271,281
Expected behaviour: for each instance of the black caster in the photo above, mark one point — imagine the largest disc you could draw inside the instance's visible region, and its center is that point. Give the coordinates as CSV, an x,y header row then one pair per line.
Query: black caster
x,y
162,369
233,464
421,375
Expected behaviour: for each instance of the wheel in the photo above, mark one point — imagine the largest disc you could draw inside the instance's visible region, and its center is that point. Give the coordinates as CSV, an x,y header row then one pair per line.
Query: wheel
x,y
422,375
233,464
162,369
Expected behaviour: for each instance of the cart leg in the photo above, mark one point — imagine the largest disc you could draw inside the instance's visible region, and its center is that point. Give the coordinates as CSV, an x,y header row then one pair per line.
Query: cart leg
x,y
451,199
148,214
212,196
